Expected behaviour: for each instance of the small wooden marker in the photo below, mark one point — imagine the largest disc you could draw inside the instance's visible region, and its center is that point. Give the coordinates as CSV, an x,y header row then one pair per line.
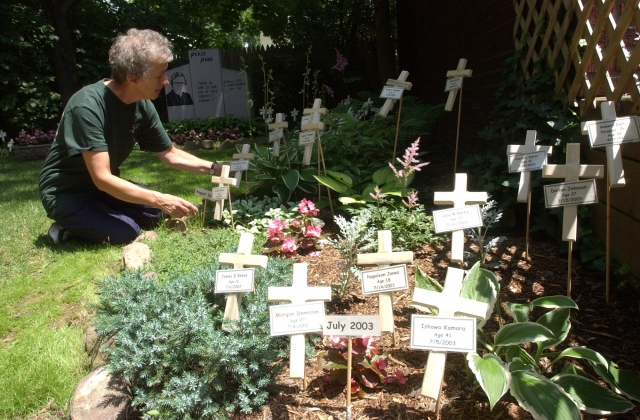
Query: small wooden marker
x,y
3,135
459,197
460,72
384,258
275,127
241,259
524,188
571,171
243,155
294,114
223,180
448,303
298,293
401,83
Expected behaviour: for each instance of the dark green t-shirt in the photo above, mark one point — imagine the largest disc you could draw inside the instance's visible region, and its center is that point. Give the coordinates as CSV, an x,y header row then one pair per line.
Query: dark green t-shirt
x,y
95,119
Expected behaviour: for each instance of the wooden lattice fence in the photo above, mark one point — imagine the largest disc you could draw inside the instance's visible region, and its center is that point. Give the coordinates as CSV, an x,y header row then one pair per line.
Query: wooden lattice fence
x,y
593,40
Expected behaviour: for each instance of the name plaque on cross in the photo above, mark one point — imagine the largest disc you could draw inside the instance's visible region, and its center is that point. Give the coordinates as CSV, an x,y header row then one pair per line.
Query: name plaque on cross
x,y
386,279
305,120
276,134
306,137
452,335
296,318
239,166
352,325
202,193
527,162
391,92
454,83
618,131
219,193
570,194
234,281
457,218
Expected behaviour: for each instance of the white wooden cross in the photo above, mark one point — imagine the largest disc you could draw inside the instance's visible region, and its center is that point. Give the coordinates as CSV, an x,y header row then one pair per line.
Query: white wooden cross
x,y
459,71
297,294
614,152
449,303
384,258
315,125
294,114
2,135
459,197
10,145
278,124
23,133
222,180
241,259
243,155
572,171
401,82
366,106
262,112
525,176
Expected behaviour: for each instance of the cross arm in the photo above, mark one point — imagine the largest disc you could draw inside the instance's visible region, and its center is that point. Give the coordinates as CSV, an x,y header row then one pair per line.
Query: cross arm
x,y
456,73
448,303
399,83
515,149
275,125
384,258
245,260
287,294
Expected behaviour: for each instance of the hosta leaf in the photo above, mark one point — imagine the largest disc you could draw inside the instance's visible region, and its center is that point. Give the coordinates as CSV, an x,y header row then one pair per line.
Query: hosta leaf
x,y
332,183
554,302
591,397
519,311
380,176
491,374
423,281
479,286
558,322
542,398
521,333
344,178
350,200
582,353
291,177
282,192
571,369
517,364
622,381
518,352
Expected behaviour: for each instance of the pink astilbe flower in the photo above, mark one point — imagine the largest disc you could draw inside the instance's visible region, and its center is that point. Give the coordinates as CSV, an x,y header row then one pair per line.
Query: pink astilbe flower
x,y
329,90
378,194
407,163
412,200
289,245
341,62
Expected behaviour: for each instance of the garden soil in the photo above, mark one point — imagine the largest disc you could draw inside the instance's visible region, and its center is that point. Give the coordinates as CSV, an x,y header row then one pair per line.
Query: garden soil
x,y
609,328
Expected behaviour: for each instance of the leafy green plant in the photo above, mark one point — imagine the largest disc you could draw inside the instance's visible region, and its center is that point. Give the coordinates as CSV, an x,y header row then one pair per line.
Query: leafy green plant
x,y
245,126
248,213
170,345
354,237
490,216
295,232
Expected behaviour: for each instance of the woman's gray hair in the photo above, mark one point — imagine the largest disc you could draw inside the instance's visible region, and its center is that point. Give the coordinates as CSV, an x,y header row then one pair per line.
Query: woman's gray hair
x,y
136,52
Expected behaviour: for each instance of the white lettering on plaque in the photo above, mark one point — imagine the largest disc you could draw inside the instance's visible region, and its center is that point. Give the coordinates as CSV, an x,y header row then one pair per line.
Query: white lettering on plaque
x,y
234,281
390,92
455,335
239,165
454,83
296,319
385,279
352,325
276,134
570,193
220,193
527,162
622,130
457,218
306,137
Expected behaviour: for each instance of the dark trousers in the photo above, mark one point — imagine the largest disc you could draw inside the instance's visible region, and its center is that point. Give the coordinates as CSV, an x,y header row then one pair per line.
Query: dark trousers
x,y
106,219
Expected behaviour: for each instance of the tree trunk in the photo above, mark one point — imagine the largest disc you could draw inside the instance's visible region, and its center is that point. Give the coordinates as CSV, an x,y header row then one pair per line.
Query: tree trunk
x,y
63,54
384,44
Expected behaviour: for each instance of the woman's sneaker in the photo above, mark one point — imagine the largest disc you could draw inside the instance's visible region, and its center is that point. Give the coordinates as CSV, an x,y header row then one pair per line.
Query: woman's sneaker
x,y
58,234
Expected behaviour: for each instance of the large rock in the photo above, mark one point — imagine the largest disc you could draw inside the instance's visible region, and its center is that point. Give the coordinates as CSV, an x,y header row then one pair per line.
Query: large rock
x,y
136,255
99,395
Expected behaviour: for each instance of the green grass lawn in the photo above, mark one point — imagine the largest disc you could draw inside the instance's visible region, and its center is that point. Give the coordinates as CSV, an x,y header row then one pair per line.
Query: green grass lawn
x,y
46,290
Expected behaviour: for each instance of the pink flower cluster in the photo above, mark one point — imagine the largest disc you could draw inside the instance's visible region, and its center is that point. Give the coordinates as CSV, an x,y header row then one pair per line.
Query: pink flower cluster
x,y
341,62
38,137
300,233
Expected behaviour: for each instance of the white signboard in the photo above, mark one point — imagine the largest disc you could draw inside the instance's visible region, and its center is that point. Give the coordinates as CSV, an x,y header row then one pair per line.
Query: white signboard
x,y
305,120
454,83
527,162
276,134
306,137
454,335
620,130
384,279
206,73
296,319
234,281
391,92
179,93
570,193
352,325
235,93
457,218
220,193
239,166
202,193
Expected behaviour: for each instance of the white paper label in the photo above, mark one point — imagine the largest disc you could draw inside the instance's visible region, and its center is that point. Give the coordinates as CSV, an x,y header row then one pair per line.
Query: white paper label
x,y
527,162
220,193
306,119
202,193
384,279
239,165
454,335
296,319
391,92
234,281
352,325
620,130
306,137
454,83
570,194
276,134
457,218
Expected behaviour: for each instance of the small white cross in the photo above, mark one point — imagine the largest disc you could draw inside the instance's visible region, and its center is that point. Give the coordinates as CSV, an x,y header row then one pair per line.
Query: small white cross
x,y
294,114
366,106
525,176
23,133
314,124
10,145
401,81
222,180
270,112
268,120
280,123
459,71
262,112
243,155
3,135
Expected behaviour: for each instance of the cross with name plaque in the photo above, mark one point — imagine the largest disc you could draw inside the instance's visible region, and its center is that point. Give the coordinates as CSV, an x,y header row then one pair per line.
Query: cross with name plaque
x,y
314,126
241,259
2,135
222,181
401,83
276,131
384,258
243,155
454,84
294,114
298,293
448,303
459,197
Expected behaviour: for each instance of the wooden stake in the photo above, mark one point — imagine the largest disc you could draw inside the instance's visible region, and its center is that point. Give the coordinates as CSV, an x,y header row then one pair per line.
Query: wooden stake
x,y
204,211
570,264
395,145
325,173
455,160
349,361
526,249
608,240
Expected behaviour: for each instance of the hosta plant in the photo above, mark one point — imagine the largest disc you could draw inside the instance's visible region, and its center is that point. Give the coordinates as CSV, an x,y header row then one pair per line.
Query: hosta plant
x,y
507,366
